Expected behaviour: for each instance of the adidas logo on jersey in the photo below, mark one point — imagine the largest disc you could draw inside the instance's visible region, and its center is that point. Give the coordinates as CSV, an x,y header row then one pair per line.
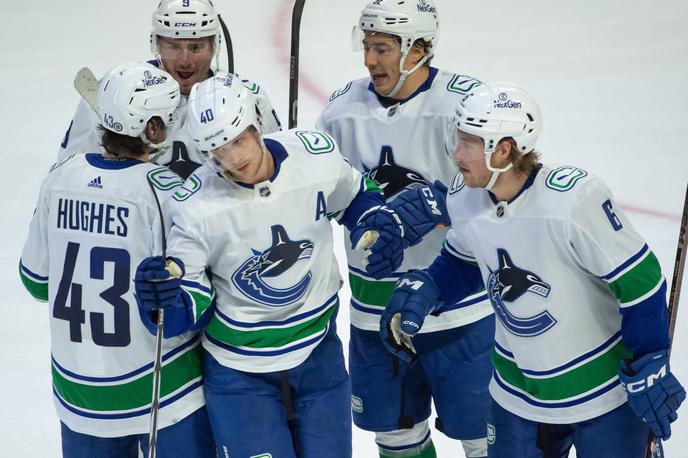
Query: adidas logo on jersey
x,y
95,183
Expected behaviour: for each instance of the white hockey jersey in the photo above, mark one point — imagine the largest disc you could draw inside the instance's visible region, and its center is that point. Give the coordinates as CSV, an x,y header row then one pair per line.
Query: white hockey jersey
x,y
399,146
94,222
558,262
264,252
182,156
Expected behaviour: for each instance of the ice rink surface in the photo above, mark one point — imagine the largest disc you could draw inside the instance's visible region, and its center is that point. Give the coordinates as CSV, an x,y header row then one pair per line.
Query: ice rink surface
x,y
610,77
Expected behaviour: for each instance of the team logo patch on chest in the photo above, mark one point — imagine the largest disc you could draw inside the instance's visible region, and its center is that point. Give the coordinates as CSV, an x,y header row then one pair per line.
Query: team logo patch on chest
x,y
252,278
506,285
392,177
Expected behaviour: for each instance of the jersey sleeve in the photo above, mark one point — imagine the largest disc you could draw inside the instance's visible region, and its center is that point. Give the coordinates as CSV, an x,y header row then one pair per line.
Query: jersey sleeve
x,y
187,243
353,194
456,278
34,263
82,133
605,244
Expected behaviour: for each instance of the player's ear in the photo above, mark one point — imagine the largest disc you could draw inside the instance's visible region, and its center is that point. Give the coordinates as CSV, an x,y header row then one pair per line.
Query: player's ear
x,y
155,130
500,157
416,53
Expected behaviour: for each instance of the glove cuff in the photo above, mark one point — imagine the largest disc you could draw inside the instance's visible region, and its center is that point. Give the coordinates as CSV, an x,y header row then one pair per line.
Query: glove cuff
x,y
421,282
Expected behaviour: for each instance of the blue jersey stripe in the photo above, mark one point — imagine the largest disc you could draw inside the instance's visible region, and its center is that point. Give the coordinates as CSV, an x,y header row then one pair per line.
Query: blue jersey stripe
x,y
358,306
551,405
600,349
365,275
123,415
198,286
133,373
278,352
627,263
293,319
31,274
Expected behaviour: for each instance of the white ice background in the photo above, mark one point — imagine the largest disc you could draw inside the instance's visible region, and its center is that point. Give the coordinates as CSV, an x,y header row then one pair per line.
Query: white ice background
x,y
610,76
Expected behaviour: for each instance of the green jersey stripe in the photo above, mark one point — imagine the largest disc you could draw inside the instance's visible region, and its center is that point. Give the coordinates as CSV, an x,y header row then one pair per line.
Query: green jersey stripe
x,y
132,394
38,290
575,382
371,292
268,337
638,280
200,301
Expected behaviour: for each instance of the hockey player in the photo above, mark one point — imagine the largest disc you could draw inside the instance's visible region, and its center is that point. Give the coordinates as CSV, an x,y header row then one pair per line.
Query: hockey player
x,y
96,218
580,355
185,38
391,126
251,233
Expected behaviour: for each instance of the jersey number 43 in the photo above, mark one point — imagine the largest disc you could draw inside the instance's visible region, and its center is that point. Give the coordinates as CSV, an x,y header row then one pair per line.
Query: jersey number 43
x,y
74,312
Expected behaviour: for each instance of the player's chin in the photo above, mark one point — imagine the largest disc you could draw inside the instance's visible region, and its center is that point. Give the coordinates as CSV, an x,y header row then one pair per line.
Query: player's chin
x,y
381,85
186,81
469,179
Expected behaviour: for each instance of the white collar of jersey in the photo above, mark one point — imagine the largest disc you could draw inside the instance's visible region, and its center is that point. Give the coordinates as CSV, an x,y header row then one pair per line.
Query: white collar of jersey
x,y
529,182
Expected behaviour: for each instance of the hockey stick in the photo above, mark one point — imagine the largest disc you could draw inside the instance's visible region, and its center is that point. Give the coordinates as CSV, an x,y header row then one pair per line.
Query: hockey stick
x,y
654,448
679,265
228,45
159,327
294,62
87,86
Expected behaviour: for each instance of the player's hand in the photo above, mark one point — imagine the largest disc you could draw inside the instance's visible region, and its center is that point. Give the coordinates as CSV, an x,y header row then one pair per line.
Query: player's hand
x,y
654,394
421,210
157,283
379,230
415,296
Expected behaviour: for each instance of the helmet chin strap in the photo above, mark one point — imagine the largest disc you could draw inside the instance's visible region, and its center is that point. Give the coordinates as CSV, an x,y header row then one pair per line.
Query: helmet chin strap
x,y
404,73
158,149
495,172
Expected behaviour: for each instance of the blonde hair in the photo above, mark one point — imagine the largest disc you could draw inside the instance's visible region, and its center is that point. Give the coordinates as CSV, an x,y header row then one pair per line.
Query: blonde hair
x,y
522,163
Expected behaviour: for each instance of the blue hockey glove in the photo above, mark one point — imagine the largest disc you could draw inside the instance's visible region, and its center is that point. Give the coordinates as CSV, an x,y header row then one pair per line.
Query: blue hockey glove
x,y
654,394
415,296
154,287
421,210
379,230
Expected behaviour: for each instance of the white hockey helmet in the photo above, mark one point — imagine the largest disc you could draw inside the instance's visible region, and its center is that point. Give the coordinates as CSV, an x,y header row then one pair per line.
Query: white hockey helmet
x,y
219,110
130,94
495,111
185,19
498,110
410,20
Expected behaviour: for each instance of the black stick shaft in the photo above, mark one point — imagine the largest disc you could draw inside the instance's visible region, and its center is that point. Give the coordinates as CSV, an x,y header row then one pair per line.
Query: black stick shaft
x,y
294,63
653,449
157,364
679,266
228,45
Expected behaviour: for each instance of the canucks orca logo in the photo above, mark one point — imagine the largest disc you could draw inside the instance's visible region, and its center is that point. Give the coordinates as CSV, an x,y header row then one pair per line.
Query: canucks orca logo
x,y
270,263
507,284
392,177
